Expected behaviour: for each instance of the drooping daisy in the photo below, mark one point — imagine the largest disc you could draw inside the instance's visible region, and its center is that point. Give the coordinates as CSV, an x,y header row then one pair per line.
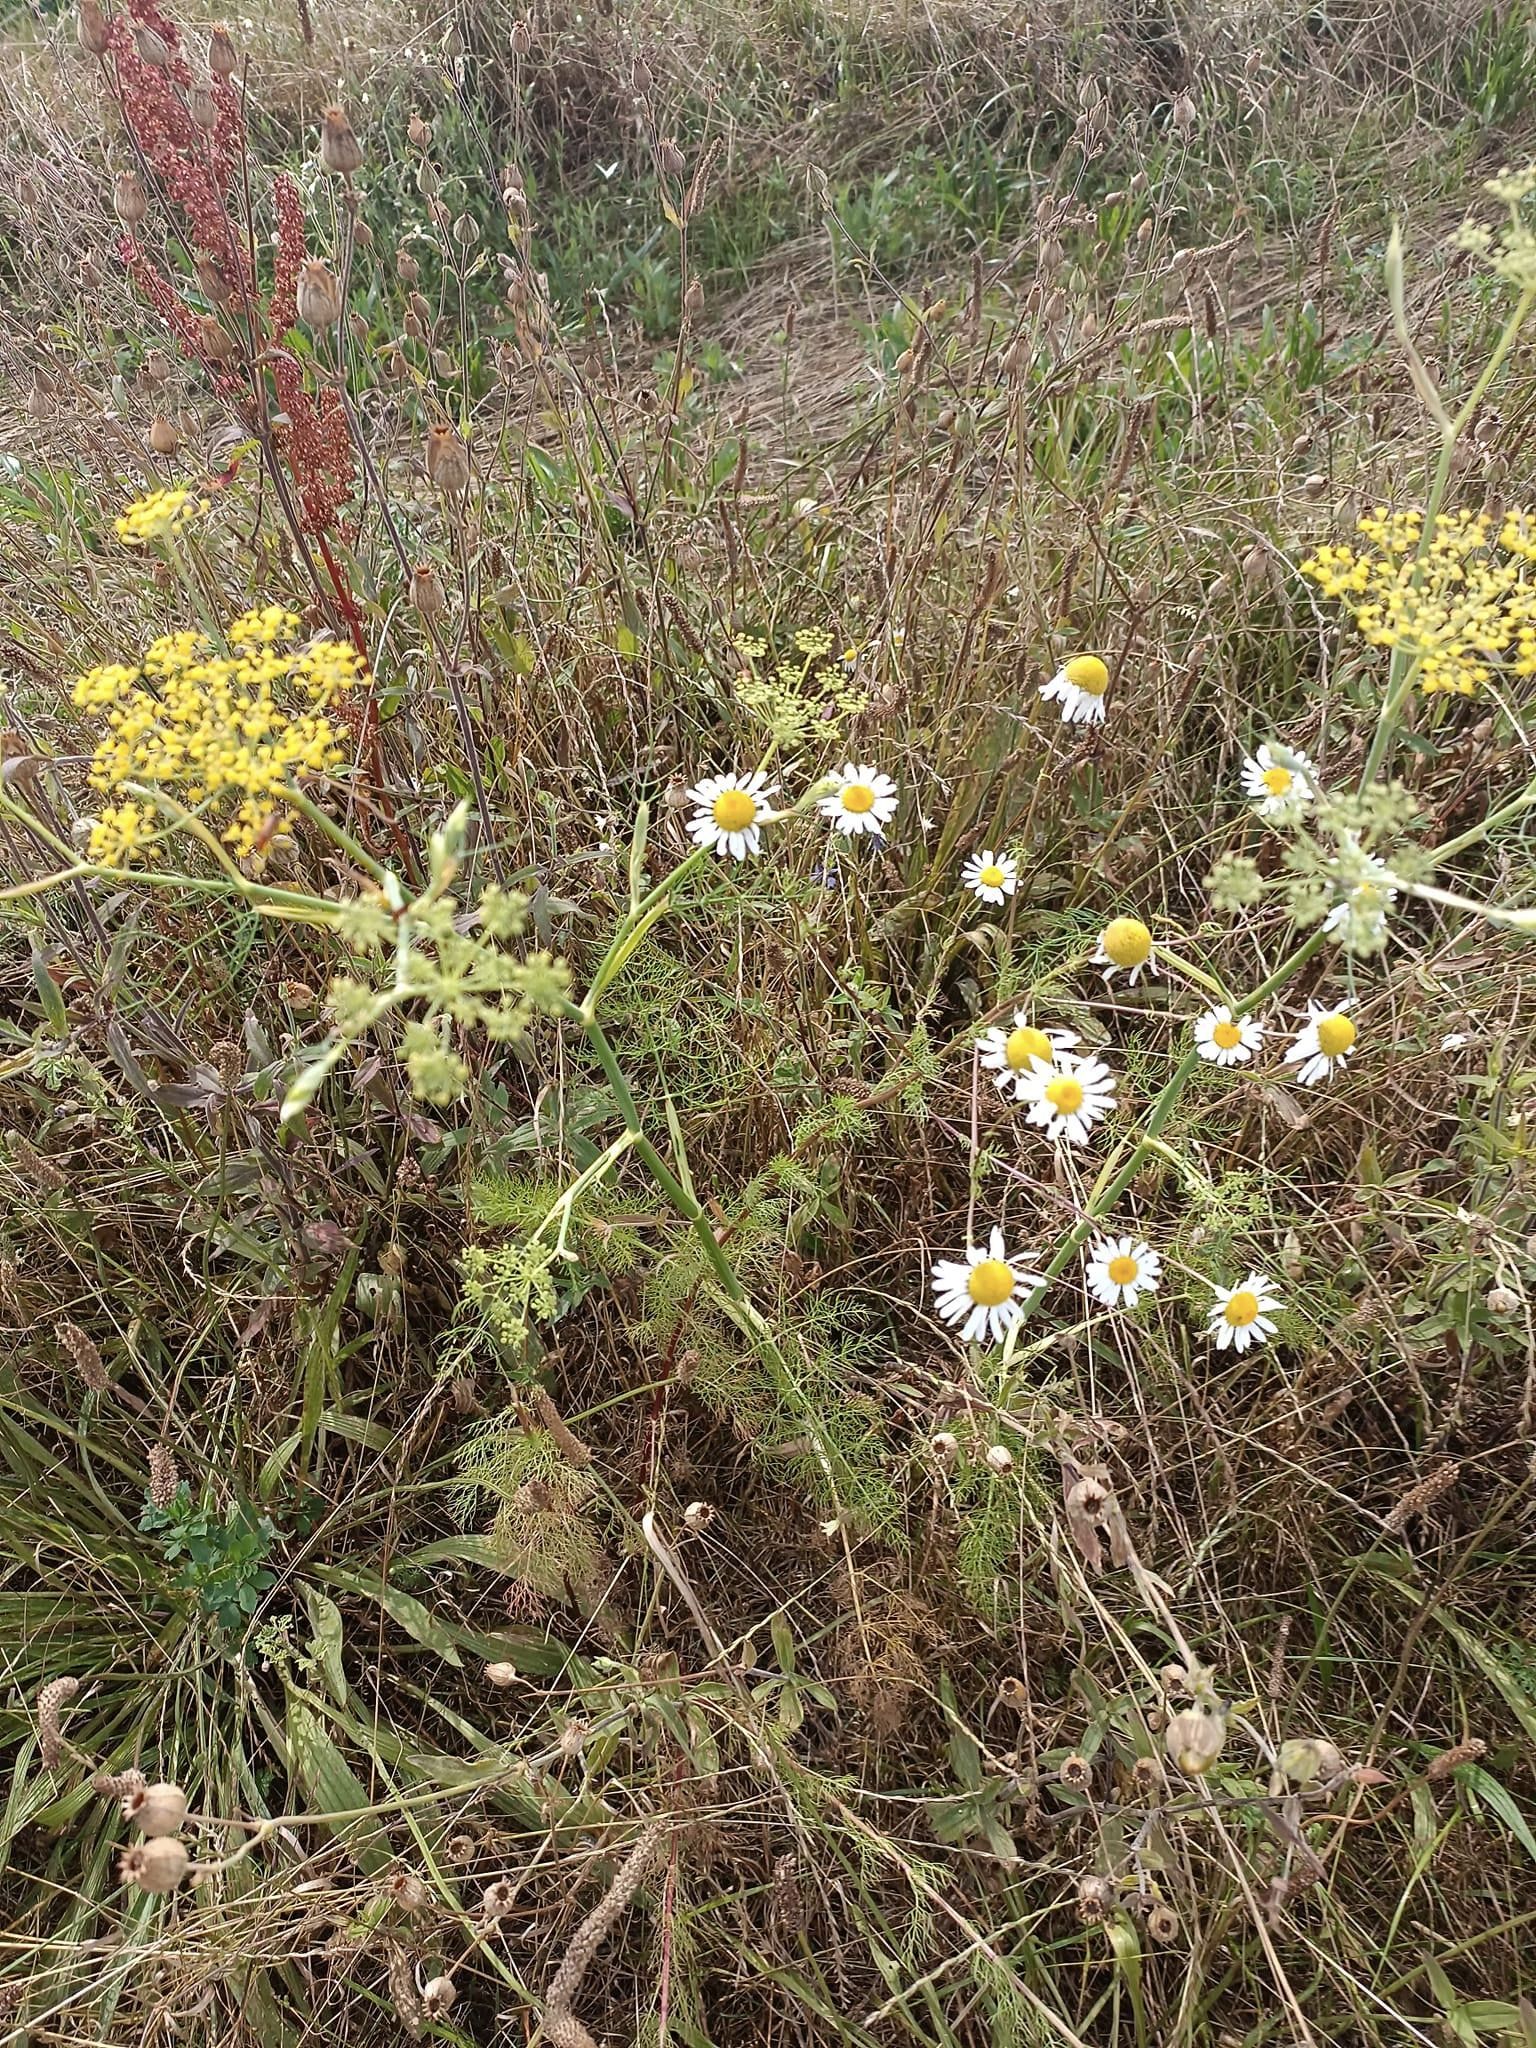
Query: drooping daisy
x,y
991,876
1281,781
1225,1039
982,1291
731,809
860,800
1240,1316
1007,1054
1125,943
1121,1270
1079,687
1326,1043
1069,1096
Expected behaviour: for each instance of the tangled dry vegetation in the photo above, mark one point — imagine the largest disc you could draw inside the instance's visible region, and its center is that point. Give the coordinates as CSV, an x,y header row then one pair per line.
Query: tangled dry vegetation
x,y
764,885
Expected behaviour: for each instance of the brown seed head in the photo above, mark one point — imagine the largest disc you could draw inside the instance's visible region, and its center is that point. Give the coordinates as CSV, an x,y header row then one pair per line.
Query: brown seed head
x,y
210,276
522,37
203,108
427,591
418,132
151,46
407,269
222,55
447,460
91,28
340,150
129,201
155,1866
498,1899
437,1994
157,1809
216,345
671,158
1162,1923
83,1355
1076,1772
317,295
52,1699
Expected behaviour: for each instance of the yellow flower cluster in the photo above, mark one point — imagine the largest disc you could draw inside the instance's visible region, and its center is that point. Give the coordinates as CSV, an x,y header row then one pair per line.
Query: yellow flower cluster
x,y
1459,605
160,514
205,723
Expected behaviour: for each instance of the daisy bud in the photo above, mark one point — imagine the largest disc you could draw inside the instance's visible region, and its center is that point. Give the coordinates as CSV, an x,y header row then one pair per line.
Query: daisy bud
x,y
1501,1301
129,202
673,162
340,150
317,295
447,461
501,1676
152,47
1194,1739
91,30
156,1866
1162,1923
698,1514
437,1994
157,1809
203,108
418,133
522,38
222,56
427,591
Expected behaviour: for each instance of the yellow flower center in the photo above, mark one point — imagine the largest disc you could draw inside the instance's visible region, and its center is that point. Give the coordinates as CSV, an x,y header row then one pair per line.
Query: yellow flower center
x,y
1278,781
733,810
1126,941
1242,1309
1088,673
1122,1269
1226,1034
992,876
858,797
1065,1094
1335,1034
1025,1044
990,1283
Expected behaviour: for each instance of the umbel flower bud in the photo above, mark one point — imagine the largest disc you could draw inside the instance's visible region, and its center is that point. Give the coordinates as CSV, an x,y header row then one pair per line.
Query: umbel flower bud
x,y
91,28
129,201
340,150
427,591
164,435
156,1866
222,57
317,295
447,460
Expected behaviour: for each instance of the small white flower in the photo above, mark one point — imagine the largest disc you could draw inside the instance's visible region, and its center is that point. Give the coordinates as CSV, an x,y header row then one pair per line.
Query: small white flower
x,y
1326,1043
1007,1054
1453,1041
1079,687
1281,781
1240,1316
982,1291
1225,1039
860,800
1068,1097
731,809
991,876
1125,944
1121,1270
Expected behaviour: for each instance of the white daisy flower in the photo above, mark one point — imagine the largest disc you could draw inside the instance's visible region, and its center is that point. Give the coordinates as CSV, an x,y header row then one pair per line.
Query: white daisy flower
x,y
1225,1039
860,800
1326,1043
1125,943
731,808
1007,1054
1121,1270
1281,781
1067,1098
991,876
1079,687
1240,1316
982,1291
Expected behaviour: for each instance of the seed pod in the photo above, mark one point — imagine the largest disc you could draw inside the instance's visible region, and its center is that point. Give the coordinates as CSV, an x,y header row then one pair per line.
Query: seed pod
x,y
340,150
501,1676
216,345
428,183
407,269
1162,1923
414,330
497,1900
155,1866
447,460
203,108
155,370
672,160
152,47
945,1446
92,276
157,1809
698,1514
1184,116
91,28
1309,1760
522,37
211,278
1315,486
39,399
317,295
418,132
164,435
693,299
1194,1739
1501,1301
437,1995
466,231
129,201
427,591
222,55
999,1458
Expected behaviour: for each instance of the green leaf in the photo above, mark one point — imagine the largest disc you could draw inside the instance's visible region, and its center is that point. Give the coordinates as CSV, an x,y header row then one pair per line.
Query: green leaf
x,y
48,991
1486,1791
325,1642
416,1619
332,1787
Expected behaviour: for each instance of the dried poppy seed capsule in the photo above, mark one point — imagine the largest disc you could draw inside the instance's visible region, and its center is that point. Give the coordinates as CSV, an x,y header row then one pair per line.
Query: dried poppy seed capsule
x,y
152,47
129,201
222,56
216,345
164,435
91,30
155,1866
210,276
407,269
317,295
1162,1923
340,150
427,591
501,1676
522,37
437,1995
999,1458
673,162
203,108
418,132
447,460
157,1809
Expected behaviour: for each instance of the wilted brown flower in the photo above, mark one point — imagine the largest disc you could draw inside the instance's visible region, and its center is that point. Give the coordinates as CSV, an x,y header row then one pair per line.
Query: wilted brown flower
x,y
222,56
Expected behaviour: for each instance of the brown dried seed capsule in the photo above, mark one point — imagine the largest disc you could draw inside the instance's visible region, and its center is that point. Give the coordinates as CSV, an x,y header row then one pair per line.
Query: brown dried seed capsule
x,y
447,460
437,1994
317,295
222,55
216,345
498,1899
156,1866
418,132
157,1809
203,108
340,150
91,28
1194,1739
1162,1923
501,1675
1076,1772
427,591
211,278
129,201
407,269
522,37
152,47
673,162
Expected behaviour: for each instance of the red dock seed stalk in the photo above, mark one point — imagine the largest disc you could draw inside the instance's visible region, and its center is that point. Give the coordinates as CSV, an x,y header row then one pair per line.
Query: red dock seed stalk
x,y
318,445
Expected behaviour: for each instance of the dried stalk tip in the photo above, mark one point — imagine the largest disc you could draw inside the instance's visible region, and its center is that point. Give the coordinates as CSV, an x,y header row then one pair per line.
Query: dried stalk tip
x,y
164,1478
